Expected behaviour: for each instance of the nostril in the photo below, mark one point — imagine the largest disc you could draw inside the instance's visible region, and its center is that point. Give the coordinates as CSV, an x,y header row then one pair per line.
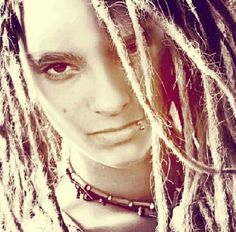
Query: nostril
x,y
110,106
110,111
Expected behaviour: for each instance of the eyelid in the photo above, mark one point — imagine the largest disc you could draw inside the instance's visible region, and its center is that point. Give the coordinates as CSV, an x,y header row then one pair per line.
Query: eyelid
x,y
40,62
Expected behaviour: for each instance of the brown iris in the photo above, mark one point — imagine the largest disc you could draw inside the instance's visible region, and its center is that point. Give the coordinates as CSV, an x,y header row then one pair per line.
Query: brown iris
x,y
59,67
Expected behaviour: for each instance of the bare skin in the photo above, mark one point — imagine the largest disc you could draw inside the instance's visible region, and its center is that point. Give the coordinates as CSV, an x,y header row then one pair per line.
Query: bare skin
x,y
82,86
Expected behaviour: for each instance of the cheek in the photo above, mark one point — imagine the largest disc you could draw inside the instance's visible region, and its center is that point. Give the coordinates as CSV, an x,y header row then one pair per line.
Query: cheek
x,y
164,78
66,95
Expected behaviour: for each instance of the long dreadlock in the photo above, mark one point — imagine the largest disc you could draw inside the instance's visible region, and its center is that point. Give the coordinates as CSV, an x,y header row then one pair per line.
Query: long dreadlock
x,y
202,36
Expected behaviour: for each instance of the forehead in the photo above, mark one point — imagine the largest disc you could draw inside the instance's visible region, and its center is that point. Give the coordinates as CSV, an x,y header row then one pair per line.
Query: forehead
x,y
66,24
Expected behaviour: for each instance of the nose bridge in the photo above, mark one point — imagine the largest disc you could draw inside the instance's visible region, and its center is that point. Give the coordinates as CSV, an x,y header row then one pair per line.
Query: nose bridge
x,y
111,92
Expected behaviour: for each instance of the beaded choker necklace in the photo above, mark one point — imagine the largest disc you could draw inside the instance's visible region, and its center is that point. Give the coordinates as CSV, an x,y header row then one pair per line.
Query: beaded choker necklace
x,y
89,193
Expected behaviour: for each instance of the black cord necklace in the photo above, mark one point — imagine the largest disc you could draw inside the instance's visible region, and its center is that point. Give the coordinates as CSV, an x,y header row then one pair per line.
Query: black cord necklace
x,y
89,193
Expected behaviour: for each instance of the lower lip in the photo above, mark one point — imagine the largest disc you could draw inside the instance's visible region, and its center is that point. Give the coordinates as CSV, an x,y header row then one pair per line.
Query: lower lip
x,y
116,137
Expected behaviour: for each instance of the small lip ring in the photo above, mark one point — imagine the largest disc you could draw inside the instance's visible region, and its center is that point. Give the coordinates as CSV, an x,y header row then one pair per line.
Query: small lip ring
x,y
119,128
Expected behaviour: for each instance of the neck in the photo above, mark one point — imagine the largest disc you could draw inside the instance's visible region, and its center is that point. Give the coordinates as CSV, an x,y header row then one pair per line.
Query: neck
x,y
131,182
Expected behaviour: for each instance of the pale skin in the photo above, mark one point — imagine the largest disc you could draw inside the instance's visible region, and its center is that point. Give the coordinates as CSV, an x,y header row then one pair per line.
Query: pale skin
x,y
83,88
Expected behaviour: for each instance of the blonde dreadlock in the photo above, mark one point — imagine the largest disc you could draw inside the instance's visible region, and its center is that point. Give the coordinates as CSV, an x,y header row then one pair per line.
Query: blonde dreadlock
x,y
30,148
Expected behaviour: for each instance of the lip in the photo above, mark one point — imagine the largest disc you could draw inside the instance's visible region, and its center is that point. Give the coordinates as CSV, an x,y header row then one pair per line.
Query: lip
x,y
115,136
109,130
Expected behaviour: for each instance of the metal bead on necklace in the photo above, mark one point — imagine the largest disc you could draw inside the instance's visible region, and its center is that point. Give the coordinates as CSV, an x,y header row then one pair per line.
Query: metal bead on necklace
x,y
89,193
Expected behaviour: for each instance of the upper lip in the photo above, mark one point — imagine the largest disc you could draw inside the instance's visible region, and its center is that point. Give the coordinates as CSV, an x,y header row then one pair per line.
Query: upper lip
x,y
115,129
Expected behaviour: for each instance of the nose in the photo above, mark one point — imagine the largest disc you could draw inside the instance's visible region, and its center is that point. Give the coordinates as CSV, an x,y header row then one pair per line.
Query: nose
x,y
111,91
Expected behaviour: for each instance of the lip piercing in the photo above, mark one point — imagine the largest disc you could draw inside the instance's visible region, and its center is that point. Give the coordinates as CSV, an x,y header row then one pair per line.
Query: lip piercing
x,y
140,125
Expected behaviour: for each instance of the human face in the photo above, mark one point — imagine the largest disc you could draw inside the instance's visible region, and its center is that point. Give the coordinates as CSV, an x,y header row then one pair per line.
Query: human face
x,y
82,84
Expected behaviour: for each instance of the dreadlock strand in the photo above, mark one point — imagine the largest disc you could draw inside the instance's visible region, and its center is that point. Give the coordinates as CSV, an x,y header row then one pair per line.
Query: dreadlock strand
x,y
229,63
234,193
9,224
13,188
188,130
45,130
210,224
224,13
13,165
5,209
181,218
184,99
192,8
49,138
162,219
16,147
161,202
215,146
146,65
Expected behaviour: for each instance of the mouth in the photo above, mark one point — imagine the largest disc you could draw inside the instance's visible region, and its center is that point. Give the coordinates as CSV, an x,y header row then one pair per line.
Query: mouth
x,y
115,129
115,136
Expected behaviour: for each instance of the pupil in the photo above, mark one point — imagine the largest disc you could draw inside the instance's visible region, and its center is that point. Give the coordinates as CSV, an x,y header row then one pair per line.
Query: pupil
x,y
59,67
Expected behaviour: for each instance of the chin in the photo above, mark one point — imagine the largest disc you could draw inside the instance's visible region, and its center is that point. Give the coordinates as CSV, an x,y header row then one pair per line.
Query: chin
x,y
124,156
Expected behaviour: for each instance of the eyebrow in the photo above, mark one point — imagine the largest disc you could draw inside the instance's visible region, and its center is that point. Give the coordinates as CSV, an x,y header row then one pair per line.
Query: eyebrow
x,y
51,56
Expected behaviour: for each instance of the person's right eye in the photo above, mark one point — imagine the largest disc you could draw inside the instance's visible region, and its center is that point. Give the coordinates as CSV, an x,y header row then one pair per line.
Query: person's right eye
x,y
60,71
57,66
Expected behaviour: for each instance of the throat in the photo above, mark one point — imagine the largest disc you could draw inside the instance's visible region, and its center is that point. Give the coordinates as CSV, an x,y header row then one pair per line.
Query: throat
x,y
132,182
89,193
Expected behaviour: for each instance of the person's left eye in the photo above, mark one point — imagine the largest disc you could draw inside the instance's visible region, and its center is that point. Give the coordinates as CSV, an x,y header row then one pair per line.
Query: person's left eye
x,y
131,44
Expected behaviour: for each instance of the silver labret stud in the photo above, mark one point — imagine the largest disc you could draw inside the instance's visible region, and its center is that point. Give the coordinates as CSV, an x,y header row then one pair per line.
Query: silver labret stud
x,y
138,123
142,127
